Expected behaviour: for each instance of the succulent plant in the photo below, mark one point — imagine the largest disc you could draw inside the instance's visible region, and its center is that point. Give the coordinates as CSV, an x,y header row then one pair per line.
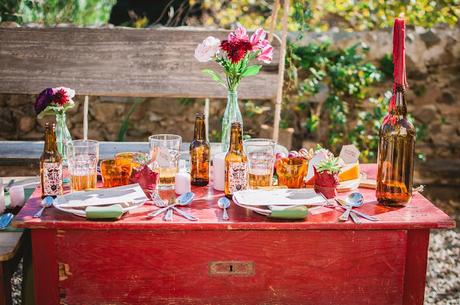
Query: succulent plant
x,y
331,165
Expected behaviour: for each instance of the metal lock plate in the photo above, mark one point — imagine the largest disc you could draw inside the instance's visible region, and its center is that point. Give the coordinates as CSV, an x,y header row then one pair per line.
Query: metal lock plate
x,y
231,268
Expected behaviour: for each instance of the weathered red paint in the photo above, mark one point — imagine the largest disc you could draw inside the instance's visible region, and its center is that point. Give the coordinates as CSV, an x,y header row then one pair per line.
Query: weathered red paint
x,y
316,261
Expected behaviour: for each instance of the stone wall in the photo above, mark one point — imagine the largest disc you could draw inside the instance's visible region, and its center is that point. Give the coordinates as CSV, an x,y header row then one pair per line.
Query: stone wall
x,y
433,67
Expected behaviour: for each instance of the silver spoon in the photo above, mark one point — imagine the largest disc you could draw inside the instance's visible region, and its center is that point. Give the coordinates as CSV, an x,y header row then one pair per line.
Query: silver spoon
x,y
353,200
224,203
182,200
46,203
5,220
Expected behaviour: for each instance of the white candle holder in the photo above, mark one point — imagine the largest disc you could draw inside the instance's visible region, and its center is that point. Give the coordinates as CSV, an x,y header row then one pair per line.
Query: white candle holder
x,y
17,197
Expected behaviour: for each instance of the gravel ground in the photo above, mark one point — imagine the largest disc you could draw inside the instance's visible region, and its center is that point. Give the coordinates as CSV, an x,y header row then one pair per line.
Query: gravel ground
x,y
443,274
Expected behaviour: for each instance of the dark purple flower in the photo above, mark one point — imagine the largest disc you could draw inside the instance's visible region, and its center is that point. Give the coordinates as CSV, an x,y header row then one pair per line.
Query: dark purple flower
x,y
43,100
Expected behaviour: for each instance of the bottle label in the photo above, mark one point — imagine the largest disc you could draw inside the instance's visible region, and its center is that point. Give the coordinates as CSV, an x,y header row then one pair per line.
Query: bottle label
x,y
237,176
52,179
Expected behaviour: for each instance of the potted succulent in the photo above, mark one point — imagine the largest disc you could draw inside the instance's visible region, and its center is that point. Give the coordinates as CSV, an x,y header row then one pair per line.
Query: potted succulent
x,y
327,177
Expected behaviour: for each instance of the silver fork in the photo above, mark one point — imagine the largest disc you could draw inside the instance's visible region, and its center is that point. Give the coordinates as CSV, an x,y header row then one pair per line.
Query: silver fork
x,y
157,201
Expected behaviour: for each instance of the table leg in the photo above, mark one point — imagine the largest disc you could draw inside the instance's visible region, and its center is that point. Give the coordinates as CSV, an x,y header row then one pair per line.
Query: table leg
x,y
45,267
416,262
27,272
5,284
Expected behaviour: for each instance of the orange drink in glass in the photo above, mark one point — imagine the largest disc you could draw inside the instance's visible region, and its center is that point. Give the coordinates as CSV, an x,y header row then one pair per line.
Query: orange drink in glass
x,y
112,174
127,161
291,171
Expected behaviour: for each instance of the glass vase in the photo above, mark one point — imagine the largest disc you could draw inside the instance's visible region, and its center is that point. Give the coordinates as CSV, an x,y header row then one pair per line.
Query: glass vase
x,y
63,137
232,114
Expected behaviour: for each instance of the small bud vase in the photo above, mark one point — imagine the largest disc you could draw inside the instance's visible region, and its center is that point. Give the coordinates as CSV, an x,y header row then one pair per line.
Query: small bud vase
x,y
63,137
232,114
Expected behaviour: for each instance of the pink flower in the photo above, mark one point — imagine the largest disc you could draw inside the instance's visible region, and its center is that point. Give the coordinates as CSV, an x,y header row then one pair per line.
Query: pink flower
x,y
238,34
266,53
257,38
206,50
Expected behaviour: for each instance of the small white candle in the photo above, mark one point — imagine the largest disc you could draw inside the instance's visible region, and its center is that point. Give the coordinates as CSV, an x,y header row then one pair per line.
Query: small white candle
x,y
218,171
17,196
183,180
2,197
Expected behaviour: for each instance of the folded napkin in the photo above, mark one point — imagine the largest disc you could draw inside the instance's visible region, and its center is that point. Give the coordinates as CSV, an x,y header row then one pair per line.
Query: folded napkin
x,y
104,212
297,212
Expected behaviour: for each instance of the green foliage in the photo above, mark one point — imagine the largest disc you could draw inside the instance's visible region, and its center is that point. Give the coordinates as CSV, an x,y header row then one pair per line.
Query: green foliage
x,y
320,15
330,165
376,14
234,72
125,123
50,12
344,77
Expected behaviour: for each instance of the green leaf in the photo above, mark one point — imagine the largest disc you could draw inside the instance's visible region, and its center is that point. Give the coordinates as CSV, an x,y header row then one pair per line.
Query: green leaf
x,y
125,123
251,70
215,77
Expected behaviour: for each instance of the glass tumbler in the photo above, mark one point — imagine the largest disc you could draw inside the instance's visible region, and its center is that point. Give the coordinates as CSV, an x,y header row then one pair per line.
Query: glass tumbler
x,y
165,151
291,172
82,156
128,161
261,159
112,174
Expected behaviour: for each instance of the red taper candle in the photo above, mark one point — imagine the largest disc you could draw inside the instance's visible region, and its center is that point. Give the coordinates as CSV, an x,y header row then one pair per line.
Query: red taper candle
x,y
399,52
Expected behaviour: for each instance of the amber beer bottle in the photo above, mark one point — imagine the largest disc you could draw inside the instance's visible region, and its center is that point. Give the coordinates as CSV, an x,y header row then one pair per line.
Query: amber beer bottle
x,y
199,153
50,165
397,136
236,162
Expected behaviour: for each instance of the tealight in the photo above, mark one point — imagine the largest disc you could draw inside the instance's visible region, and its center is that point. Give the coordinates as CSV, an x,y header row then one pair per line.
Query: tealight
x,y
183,180
17,198
218,171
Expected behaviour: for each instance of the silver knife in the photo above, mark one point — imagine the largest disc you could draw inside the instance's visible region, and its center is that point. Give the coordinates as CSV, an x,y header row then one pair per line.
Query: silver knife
x,y
185,214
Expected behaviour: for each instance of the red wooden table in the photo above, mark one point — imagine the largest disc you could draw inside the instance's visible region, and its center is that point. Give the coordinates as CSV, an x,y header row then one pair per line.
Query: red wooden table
x,y
247,260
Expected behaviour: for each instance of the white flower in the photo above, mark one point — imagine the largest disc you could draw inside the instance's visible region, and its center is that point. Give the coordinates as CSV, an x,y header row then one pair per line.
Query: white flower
x,y
69,92
206,50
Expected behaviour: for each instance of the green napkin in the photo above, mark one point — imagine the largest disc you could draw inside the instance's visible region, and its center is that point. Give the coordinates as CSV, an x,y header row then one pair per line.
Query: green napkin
x,y
298,212
106,212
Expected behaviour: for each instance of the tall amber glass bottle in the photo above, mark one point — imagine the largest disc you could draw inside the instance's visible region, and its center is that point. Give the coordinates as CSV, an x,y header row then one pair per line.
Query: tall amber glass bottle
x,y
50,165
236,162
199,153
397,136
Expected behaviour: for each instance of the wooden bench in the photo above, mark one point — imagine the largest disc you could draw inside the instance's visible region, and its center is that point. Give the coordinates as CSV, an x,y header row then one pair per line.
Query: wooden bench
x,y
14,244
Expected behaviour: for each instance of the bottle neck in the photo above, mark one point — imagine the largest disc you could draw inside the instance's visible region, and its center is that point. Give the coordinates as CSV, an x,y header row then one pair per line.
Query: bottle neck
x,y
200,129
50,140
236,140
398,105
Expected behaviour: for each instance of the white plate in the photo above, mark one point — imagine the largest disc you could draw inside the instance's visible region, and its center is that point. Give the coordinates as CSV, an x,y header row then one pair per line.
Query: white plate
x,y
76,202
279,197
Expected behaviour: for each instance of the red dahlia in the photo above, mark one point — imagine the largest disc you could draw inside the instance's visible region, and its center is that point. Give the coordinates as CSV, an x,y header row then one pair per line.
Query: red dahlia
x,y
60,97
236,49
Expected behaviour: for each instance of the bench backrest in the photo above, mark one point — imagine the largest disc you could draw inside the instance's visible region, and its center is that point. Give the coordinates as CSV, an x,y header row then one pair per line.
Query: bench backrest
x,y
118,62
114,62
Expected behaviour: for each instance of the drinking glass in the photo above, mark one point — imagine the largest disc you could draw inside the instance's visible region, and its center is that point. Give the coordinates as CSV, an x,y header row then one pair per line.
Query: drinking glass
x,y
128,161
113,174
165,151
261,159
291,172
82,156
